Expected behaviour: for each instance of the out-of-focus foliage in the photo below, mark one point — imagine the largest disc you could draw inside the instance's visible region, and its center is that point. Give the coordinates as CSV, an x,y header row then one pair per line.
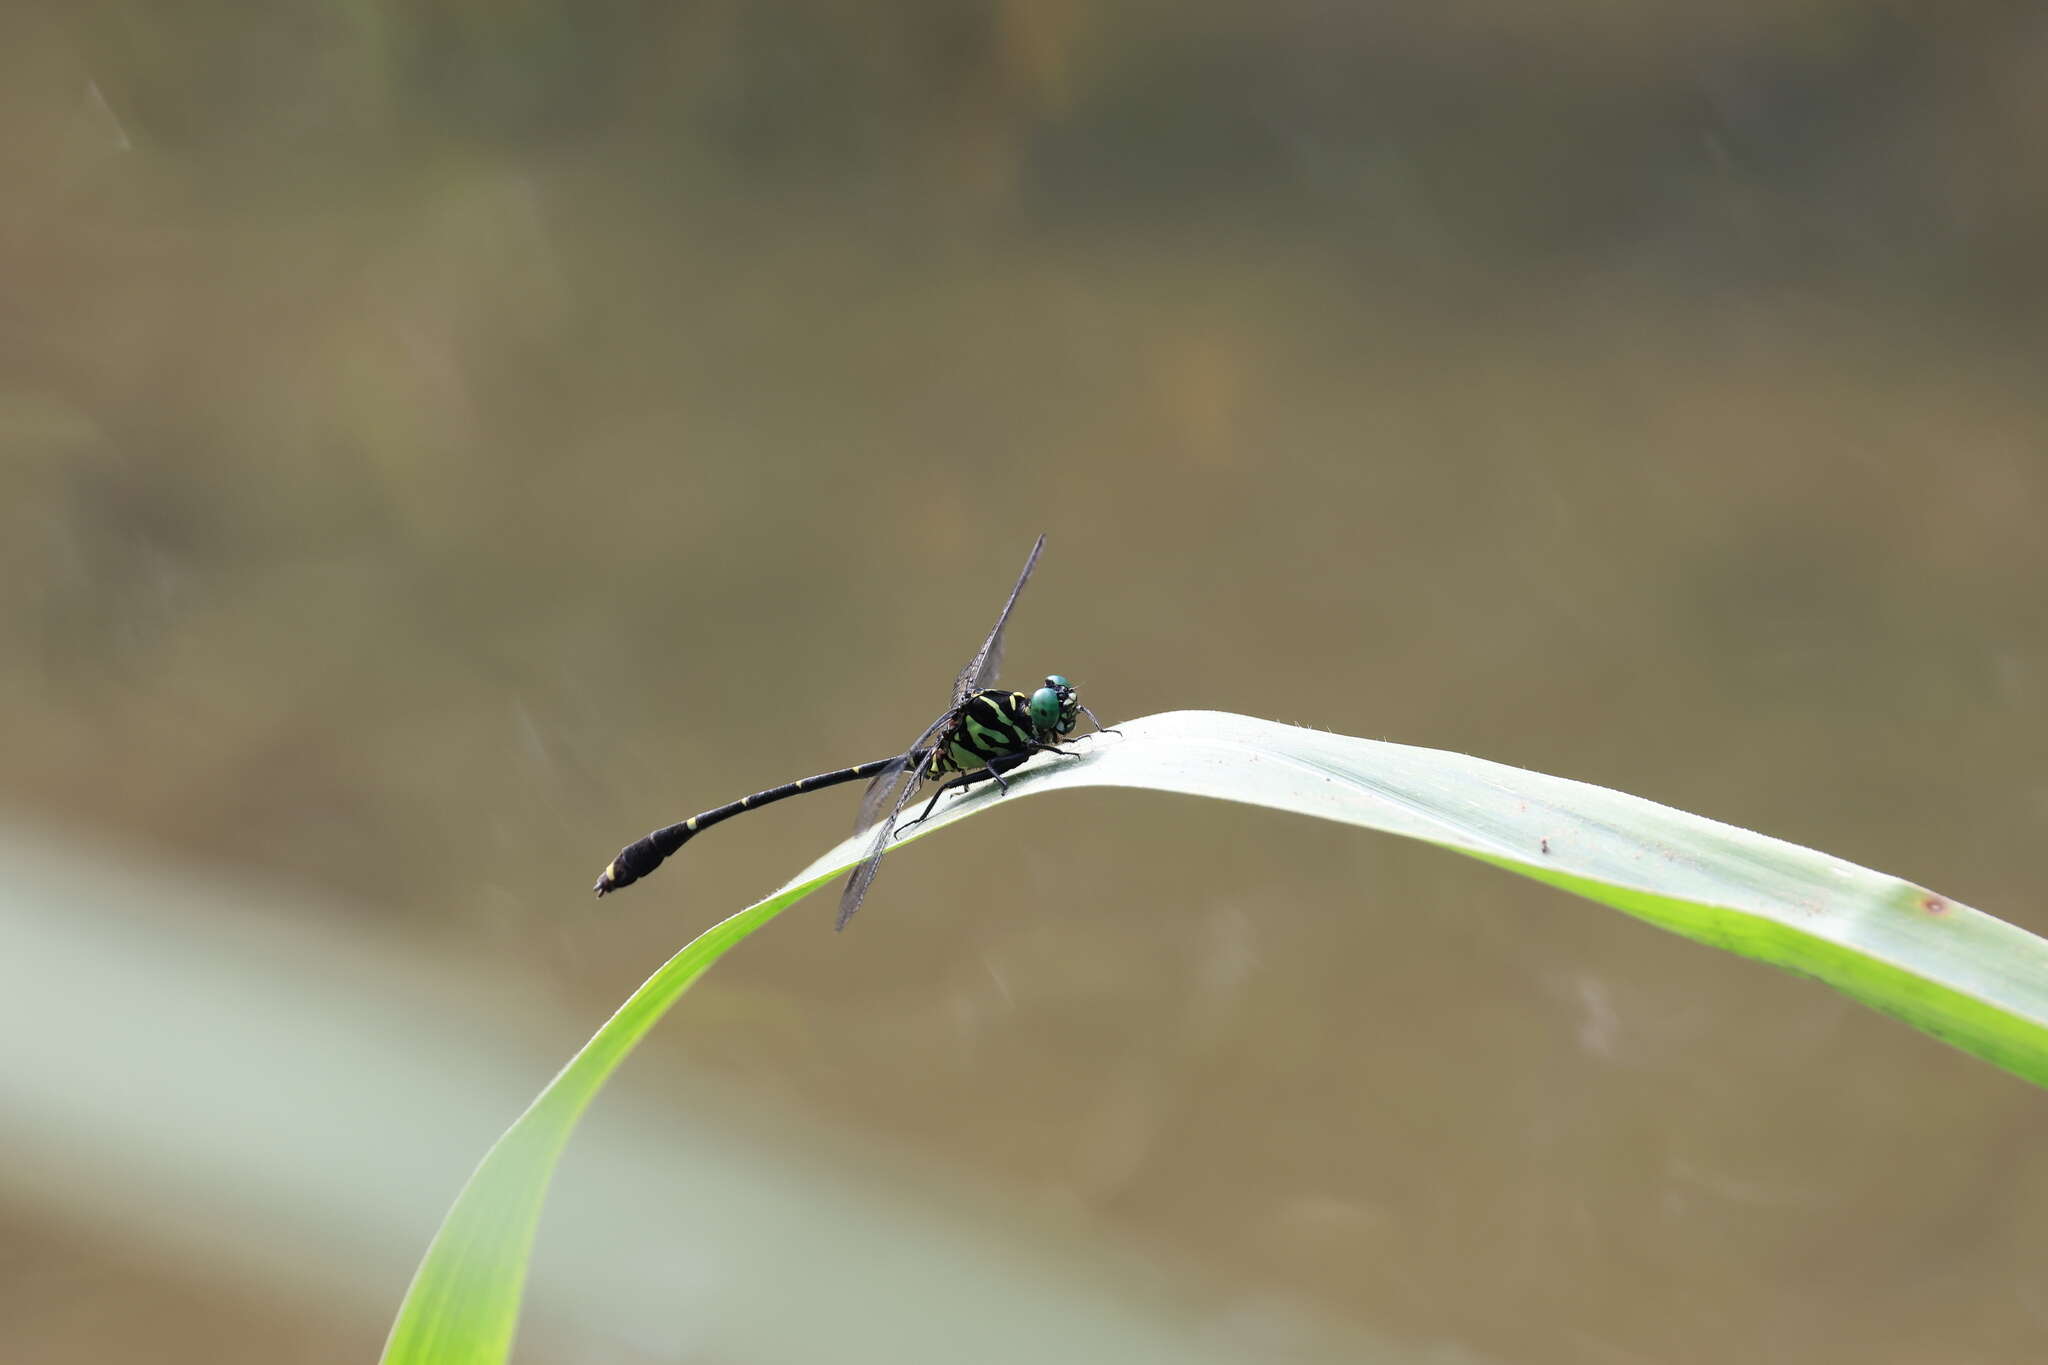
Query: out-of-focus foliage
x,y
391,330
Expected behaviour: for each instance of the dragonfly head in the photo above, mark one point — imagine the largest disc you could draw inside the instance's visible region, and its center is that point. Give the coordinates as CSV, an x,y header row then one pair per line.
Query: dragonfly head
x,y
1055,707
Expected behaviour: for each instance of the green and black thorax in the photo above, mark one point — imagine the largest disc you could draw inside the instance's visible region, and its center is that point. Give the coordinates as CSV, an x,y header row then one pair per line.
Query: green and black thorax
x,y
993,724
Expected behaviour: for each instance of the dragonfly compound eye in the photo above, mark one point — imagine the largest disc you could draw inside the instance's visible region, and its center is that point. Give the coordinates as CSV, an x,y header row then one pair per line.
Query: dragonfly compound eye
x,y
1046,711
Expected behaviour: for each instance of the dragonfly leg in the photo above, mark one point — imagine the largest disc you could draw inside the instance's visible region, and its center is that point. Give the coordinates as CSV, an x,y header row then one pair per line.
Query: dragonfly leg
x,y
993,772
1100,728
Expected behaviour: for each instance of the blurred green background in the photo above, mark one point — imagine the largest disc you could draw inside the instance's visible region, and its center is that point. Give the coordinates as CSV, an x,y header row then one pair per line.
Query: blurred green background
x,y
439,442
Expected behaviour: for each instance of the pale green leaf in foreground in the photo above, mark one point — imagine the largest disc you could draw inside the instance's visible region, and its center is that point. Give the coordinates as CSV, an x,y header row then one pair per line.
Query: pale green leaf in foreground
x,y
1951,971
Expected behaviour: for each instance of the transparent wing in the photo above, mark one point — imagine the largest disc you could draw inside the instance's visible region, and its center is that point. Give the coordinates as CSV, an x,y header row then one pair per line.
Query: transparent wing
x,y
864,876
983,668
874,798
893,787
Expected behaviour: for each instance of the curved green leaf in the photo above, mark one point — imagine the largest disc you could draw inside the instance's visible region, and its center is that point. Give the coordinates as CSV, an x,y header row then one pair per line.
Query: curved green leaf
x,y
1951,971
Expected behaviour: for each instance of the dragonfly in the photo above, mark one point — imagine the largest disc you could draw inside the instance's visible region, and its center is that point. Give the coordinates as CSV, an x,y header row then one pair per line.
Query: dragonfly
x,y
982,734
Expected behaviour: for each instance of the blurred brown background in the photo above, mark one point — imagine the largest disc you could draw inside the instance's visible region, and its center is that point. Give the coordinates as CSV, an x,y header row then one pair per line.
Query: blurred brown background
x,y
440,441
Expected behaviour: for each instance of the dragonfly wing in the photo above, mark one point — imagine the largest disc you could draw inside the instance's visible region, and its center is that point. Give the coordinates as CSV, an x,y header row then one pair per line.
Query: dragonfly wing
x,y
901,779
988,663
874,798
878,794
864,875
